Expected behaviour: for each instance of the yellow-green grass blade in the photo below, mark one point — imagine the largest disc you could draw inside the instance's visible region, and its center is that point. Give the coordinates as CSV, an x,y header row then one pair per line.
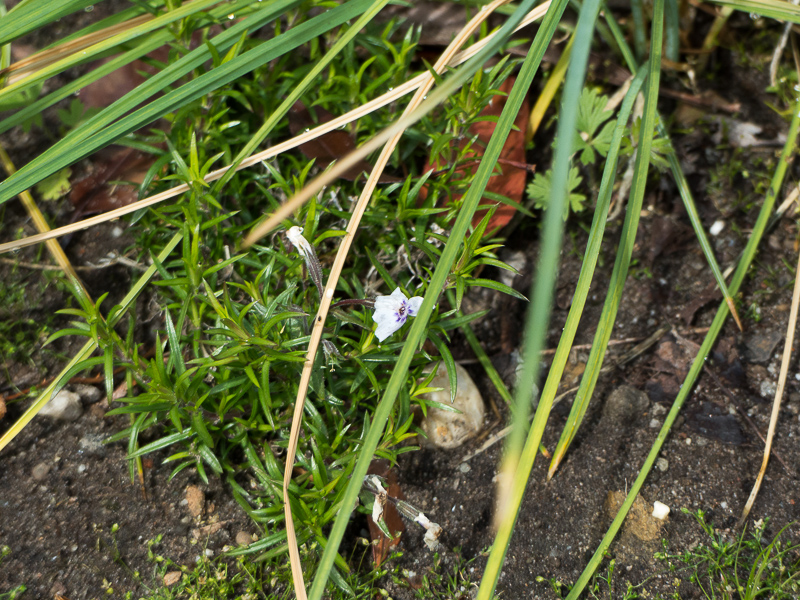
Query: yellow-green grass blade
x,y
101,48
592,248
683,185
145,45
25,17
97,133
547,270
697,225
88,348
298,90
437,283
699,361
541,303
774,9
624,252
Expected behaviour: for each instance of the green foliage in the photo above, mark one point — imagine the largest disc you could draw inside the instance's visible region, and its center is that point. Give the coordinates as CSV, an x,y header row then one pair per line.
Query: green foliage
x,y
539,190
217,391
55,186
592,141
749,566
591,116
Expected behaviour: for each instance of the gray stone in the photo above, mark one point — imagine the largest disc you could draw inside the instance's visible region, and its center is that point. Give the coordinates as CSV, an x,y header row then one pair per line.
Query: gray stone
x,y
64,406
40,471
89,393
625,404
92,443
759,347
446,428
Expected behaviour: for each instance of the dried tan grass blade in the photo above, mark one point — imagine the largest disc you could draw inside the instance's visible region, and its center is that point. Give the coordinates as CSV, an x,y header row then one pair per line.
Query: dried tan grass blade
x,y
351,159
43,58
336,269
776,404
307,136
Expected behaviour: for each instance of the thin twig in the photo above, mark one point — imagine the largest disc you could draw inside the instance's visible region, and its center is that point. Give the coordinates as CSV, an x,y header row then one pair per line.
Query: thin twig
x,y
776,404
102,264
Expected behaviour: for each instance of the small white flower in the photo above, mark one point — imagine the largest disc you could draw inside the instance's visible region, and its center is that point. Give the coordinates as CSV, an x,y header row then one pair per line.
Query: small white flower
x,y
295,236
432,533
392,311
380,500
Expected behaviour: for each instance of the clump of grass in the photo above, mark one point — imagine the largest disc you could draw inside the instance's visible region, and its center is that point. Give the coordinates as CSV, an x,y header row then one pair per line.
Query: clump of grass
x,y
748,566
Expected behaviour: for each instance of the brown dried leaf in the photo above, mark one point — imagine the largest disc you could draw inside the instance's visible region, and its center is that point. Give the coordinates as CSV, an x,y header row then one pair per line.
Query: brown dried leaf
x,y
394,521
95,193
331,146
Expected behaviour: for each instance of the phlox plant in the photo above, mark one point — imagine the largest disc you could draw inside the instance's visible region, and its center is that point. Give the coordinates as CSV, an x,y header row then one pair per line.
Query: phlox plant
x,y
217,391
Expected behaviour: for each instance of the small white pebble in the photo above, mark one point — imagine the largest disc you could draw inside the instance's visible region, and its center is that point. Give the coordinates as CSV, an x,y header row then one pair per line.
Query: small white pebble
x,y
723,505
688,441
660,510
81,468
655,423
716,228
209,552
116,232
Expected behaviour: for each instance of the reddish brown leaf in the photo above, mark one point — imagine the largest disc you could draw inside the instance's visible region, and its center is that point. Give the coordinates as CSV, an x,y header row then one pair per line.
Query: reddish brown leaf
x,y
331,146
509,177
96,192
394,521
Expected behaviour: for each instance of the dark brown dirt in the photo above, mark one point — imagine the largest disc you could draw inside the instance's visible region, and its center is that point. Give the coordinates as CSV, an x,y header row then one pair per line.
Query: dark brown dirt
x,y
59,527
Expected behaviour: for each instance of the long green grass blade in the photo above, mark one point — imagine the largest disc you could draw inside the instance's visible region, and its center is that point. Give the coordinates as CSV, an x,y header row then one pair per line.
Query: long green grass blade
x,y
25,114
699,361
100,48
680,181
775,9
457,235
620,272
26,17
592,248
145,45
552,233
92,136
298,90
542,294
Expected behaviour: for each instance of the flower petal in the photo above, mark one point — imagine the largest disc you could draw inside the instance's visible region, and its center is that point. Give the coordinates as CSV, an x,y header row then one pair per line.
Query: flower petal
x,y
383,303
387,327
413,305
384,313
